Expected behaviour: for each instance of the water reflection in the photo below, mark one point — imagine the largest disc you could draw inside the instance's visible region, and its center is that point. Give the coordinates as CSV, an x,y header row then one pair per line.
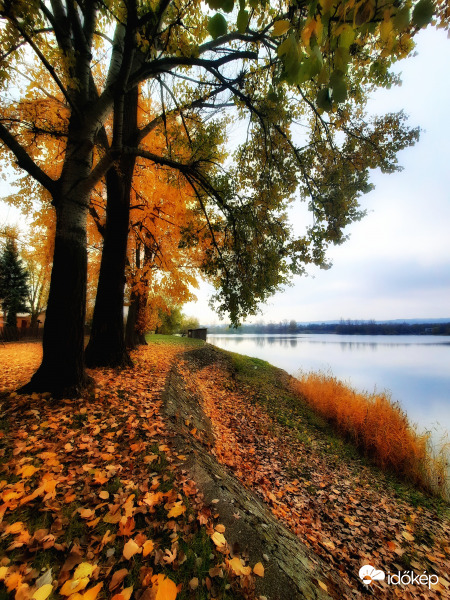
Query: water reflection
x,y
414,368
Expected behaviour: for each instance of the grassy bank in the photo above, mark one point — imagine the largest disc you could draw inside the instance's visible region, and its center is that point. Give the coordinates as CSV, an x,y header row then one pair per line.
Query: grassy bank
x,y
354,426
379,428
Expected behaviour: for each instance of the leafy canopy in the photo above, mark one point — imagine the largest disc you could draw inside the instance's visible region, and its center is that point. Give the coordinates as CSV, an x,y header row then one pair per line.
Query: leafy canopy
x,y
295,75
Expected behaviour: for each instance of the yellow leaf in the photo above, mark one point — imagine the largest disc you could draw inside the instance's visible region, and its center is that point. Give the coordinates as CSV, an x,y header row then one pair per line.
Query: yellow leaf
x,y
43,592
150,458
130,549
92,593
73,586
238,567
14,528
167,590
83,570
110,518
125,594
86,513
258,569
220,528
408,536
147,548
104,495
177,510
280,27
323,586
27,471
218,539
3,572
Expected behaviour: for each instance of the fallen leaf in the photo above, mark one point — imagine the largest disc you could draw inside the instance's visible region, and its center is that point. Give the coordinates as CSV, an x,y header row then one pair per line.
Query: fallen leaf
x,y
130,549
147,548
84,569
43,592
73,585
167,590
193,584
177,510
258,569
218,539
92,593
117,579
238,567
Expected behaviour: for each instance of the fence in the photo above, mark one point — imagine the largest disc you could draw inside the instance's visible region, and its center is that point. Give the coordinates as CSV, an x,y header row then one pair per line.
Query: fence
x,y
17,334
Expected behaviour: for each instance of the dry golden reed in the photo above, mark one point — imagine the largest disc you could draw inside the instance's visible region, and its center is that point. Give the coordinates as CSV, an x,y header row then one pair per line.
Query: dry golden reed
x,y
378,427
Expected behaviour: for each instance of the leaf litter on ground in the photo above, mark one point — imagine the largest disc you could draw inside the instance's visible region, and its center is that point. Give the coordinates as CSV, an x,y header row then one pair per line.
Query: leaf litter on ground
x,y
94,503
341,508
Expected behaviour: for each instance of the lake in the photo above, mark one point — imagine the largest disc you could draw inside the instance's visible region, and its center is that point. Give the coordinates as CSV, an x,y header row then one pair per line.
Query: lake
x,y
415,369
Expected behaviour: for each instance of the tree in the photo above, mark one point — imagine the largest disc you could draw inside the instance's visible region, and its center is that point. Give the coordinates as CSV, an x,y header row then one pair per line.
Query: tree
x,y
37,256
13,282
188,323
312,62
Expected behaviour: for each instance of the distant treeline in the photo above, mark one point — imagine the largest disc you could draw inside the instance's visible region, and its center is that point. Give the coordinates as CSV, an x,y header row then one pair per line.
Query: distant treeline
x,y
343,327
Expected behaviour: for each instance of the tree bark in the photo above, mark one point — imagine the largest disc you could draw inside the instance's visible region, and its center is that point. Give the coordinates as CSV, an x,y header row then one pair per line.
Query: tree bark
x,y
106,347
62,371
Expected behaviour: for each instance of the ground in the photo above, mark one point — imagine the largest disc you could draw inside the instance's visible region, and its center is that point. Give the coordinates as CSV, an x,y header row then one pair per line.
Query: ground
x,y
194,475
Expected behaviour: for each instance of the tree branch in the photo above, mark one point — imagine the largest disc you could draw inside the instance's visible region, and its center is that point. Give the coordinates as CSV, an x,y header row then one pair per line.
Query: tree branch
x,y
25,162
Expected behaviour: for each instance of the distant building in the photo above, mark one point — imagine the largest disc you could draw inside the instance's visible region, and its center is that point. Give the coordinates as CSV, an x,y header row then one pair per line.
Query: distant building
x,y
24,319
199,334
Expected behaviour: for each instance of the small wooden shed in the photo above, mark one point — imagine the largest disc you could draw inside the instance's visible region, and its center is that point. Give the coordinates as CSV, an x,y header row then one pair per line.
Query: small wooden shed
x,y
199,334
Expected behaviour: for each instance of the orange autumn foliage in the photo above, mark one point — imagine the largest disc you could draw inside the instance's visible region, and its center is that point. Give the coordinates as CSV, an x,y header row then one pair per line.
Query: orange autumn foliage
x,y
374,424
162,262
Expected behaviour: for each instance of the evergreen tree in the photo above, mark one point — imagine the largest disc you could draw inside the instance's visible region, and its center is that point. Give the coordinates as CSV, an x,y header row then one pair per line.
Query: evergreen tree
x,y
13,283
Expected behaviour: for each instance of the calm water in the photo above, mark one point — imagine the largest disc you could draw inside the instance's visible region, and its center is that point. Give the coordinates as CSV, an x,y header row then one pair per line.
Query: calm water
x,y
415,369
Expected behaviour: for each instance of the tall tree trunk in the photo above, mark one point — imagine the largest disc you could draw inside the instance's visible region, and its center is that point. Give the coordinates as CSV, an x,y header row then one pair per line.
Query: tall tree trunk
x,y
62,371
107,346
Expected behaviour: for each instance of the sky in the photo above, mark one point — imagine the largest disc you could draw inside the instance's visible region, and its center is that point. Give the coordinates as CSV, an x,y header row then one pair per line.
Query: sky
x,y
396,263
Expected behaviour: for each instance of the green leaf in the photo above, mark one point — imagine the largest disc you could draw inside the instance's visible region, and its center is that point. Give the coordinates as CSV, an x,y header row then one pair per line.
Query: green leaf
x,y
323,99
339,90
215,4
285,46
227,5
217,26
242,21
271,95
402,18
341,59
423,13
347,37
281,27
